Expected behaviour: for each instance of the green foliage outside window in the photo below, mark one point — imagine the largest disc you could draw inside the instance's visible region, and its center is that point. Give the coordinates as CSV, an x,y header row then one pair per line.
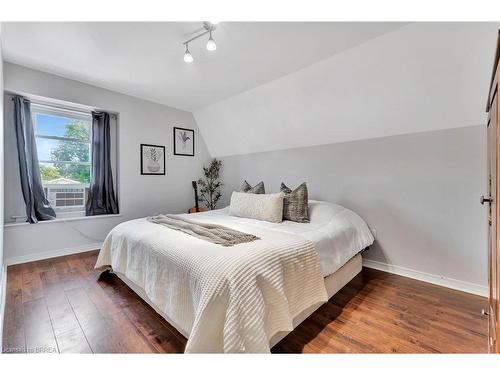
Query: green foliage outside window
x,y
49,173
71,151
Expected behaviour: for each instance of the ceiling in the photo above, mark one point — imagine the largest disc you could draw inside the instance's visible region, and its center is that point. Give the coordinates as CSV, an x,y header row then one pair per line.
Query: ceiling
x,y
146,59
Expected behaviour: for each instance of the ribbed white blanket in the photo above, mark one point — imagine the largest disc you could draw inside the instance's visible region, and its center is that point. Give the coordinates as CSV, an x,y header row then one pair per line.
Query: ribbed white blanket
x,y
224,299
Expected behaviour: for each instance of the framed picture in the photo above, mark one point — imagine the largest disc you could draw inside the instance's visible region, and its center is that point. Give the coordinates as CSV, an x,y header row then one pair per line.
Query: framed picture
x,y
183,141
152,159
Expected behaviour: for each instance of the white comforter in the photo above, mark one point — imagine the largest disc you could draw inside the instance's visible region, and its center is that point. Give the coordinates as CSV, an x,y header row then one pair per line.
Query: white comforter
x,y
338,233
224,299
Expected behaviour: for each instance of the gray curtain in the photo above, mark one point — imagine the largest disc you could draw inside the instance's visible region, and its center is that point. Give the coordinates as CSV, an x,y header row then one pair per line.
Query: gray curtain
x,y
101,199
37,206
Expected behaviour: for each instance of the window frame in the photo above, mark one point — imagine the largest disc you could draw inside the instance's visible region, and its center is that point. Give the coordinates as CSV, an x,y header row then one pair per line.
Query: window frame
x,y
55,111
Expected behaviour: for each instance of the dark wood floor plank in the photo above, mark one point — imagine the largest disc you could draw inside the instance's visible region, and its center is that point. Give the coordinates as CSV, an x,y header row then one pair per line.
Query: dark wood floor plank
x,y
67,330
32,286
399,306
162,336
437,317
13,329
38,328
61,313
73,341
100,336
113,306
64,305
37,266
129,334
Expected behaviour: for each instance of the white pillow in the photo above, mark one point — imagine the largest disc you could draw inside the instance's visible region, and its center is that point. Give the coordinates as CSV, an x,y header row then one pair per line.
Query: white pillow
x,y
267,207
321,212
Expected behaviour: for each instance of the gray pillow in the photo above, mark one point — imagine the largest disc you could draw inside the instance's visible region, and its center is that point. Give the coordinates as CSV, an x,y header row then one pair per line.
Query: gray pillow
x,y
295,204
257,189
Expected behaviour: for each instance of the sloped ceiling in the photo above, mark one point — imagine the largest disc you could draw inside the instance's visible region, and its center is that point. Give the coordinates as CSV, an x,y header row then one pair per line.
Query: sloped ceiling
x,y
146,59
278,85
421,77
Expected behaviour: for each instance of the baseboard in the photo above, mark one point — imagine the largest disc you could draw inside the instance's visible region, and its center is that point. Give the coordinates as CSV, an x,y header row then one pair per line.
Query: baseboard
x,y
52,254
463,286
3,296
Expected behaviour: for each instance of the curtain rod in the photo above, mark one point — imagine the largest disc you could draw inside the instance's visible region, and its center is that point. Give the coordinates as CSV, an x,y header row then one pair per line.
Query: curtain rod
x,y
61,104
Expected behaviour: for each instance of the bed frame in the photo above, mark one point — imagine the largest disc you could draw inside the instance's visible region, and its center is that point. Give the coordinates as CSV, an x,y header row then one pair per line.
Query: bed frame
x,y
333,284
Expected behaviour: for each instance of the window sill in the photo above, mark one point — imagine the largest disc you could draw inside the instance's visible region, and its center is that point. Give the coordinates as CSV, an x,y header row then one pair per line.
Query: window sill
x,y
62,220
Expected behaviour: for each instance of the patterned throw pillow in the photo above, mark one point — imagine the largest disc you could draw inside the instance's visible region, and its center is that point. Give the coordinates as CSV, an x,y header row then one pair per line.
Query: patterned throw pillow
x,y
257,189
295,204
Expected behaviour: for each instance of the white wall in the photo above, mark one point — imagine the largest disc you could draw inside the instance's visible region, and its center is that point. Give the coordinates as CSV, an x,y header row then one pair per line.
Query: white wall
x,y
421,77
139,122
420,192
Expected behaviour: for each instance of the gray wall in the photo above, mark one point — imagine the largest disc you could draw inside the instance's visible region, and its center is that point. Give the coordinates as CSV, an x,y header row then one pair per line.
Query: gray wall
x,y
140,121
420,192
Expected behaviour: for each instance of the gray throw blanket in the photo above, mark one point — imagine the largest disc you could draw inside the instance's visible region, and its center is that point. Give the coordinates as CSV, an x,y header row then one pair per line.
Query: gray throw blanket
x,y
214,233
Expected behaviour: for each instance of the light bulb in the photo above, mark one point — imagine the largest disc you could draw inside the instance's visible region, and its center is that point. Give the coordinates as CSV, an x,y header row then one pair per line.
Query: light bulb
x,y
211,46
187,56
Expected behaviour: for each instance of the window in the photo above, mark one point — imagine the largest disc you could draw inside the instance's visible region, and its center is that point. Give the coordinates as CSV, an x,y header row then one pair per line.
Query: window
x,y
63,140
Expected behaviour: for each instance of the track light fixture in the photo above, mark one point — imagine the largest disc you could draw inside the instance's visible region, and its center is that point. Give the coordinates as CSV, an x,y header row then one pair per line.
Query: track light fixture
x,y
208,27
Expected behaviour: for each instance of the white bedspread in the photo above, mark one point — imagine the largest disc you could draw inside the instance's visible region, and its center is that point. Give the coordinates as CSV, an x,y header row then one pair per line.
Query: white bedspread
x,y
224,299
338,233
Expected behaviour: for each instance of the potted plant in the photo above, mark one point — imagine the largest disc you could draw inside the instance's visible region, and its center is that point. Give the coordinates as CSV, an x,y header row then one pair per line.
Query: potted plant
x,y
210,185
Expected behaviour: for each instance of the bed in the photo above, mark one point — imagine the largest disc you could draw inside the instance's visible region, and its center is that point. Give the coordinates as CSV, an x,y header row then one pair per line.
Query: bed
x,y
244,298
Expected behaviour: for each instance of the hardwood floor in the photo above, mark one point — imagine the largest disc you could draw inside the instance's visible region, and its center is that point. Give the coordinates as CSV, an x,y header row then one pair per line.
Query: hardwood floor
x,y
62,305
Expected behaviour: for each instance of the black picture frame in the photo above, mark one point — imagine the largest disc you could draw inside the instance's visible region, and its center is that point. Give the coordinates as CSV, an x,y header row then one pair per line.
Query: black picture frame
x,y
178,152
152,173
